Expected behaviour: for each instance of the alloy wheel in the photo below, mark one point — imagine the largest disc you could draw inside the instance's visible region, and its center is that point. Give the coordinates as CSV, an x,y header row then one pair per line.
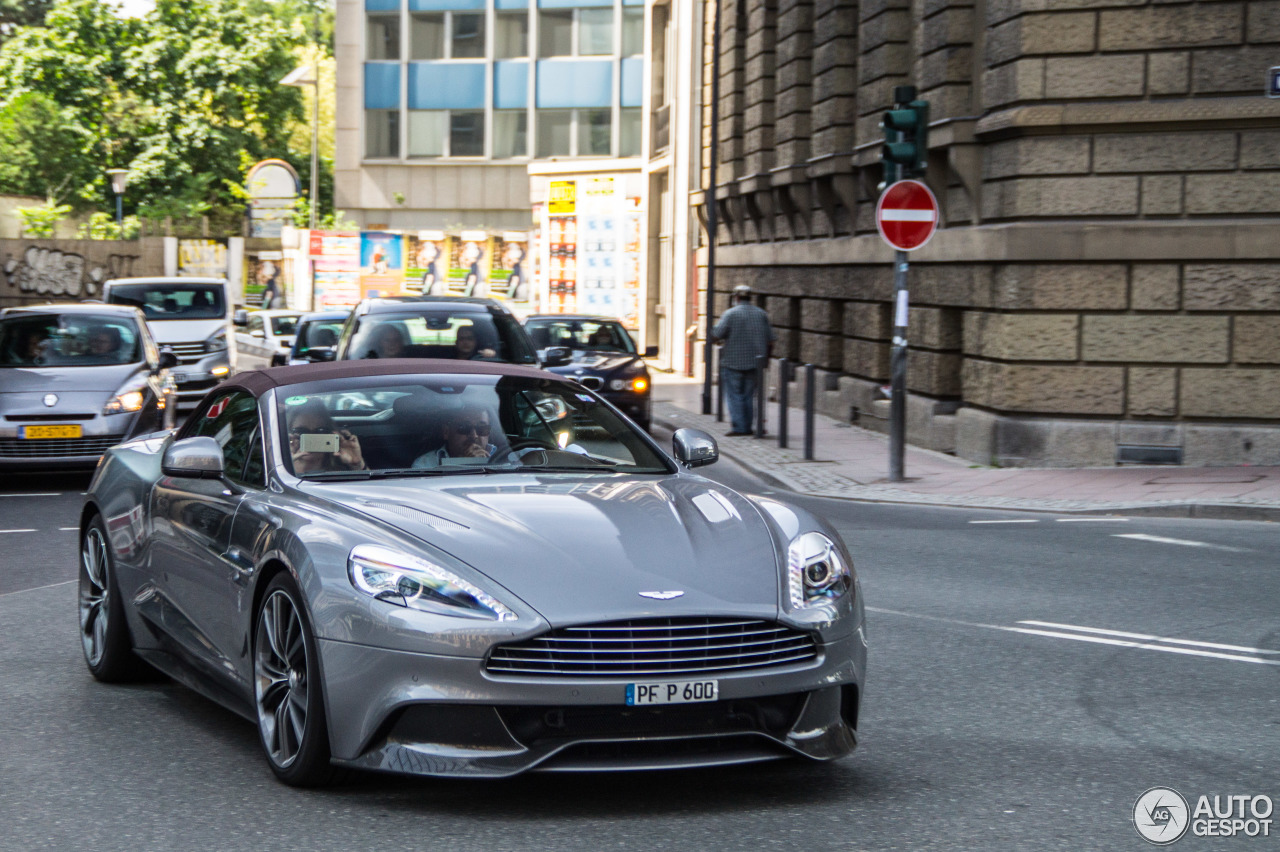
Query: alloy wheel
x,y
95,596
280,678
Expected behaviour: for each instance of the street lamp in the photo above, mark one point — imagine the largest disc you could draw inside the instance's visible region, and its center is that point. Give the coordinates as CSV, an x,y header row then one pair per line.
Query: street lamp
x,y
309,75
119,179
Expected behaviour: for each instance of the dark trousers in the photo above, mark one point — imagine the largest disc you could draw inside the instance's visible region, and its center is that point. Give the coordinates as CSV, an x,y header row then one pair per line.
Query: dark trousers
x,y
740,392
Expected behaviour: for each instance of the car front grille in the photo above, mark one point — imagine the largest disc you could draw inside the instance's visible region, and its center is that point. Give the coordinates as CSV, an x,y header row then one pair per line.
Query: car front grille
x,y
12,448
591,382
658,646
46,418
187,352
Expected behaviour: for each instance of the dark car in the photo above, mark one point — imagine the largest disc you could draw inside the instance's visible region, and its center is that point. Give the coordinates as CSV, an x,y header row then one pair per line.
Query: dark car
x,y
316,337
76,379
605,359
438,327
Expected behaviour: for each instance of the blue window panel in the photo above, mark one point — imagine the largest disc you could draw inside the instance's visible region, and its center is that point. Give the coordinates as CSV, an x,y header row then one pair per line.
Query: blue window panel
x,y
564,84
382,85
446,85
510,4
632,2
573,4
444,5
510,84
382,5
633,81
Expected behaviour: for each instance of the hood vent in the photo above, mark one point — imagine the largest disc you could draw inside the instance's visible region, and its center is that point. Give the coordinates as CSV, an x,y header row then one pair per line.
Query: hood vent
x,y
420,517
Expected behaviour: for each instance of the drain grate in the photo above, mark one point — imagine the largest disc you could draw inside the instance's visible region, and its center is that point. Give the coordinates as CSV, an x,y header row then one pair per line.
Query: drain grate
x,y
1140,454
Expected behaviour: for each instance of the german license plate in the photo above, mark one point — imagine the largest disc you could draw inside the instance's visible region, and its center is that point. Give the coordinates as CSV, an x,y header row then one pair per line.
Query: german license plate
x,y
674,692
35,433
178,378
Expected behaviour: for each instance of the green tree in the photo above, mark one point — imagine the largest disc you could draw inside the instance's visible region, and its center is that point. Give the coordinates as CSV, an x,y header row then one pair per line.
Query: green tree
x,y
21,13
46,150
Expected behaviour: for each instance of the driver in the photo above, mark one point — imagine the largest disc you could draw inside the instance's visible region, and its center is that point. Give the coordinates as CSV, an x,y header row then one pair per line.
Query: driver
x,y
466,435
468,345
312,418
103,342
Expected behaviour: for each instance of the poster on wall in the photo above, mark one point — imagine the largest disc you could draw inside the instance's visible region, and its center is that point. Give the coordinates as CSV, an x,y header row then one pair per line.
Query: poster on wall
x,y
202,258
381,264
469,264
265,281
427,255
335,269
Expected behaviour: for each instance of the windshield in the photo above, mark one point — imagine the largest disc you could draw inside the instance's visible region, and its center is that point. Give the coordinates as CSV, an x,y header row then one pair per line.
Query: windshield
x,y
283,326
581,335
320,333
68,340
172,300
468,336
429,425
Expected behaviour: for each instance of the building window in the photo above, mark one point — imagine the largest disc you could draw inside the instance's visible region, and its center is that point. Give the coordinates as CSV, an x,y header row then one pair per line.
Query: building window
x,y
555,32
629,132
383,41
468,36
595,32
632,31
426,36
427,132
510,133
382,133
510,35
555,132
595,132
466,133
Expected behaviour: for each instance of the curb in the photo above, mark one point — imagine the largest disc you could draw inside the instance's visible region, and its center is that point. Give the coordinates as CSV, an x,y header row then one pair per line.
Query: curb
x,y
1202,511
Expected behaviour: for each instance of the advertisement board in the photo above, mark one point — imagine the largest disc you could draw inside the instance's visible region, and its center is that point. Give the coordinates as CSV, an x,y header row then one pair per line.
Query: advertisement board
x,y
335,269
381,264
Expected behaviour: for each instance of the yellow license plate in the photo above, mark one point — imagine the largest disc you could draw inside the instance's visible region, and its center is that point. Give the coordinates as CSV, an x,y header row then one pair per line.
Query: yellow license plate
x,y
39,432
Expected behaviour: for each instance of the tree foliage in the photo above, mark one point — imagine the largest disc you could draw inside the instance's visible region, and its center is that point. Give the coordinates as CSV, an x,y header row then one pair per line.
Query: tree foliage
x,y
184,98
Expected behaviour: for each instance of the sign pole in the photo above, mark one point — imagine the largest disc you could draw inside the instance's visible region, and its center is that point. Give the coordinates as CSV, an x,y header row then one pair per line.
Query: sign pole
x,y
898,371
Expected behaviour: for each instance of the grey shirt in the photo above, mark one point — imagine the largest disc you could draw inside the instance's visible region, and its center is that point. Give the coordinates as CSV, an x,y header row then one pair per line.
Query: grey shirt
x,y
746,333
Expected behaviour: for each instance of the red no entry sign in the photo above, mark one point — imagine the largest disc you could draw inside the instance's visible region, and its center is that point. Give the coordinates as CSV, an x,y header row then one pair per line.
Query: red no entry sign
x,y
907,215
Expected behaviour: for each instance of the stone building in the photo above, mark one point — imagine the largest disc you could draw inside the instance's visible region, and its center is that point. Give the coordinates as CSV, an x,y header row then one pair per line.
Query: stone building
x,y
1105,281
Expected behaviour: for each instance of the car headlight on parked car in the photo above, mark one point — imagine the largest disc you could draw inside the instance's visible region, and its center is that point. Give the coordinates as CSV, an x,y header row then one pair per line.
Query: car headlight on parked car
x,y
216,342
130,397
410,581
816,572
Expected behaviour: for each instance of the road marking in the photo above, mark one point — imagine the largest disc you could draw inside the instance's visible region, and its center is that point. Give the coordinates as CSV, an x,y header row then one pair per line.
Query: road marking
x,y
15,531
1158,539
46,494
1092,520
64,529
1152,643
37,588
1152,638
1017,521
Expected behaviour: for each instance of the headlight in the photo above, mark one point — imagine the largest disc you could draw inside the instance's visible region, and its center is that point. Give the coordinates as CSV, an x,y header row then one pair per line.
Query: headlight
x,y
816,571
216,342
130,397
409,581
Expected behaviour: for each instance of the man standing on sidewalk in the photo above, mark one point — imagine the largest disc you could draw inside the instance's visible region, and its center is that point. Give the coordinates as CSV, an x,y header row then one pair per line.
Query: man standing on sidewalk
x,y
747,337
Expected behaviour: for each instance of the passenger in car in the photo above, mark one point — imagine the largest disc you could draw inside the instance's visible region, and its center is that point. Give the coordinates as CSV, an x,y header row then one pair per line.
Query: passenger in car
x,y
313,418
466,435
468,346
387,342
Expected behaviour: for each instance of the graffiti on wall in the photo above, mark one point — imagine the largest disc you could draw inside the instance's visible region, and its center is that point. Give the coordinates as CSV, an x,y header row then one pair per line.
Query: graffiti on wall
x,y
50,272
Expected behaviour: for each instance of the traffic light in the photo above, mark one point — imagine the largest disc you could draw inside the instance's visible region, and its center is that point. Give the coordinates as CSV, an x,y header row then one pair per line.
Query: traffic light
x,y
906,136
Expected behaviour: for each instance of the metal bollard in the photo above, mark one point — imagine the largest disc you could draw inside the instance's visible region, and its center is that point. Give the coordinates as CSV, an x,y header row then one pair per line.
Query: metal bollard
x,y
719,387
762,373
810,381
784,378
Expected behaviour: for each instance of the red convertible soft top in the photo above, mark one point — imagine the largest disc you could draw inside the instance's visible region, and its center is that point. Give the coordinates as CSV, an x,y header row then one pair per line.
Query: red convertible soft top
x,y
258,382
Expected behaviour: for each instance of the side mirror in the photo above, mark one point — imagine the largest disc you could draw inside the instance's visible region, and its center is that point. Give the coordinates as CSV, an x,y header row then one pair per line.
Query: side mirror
x,y
258,333
555,356
167,359
694,448
651,352
198,458
240,317
320,353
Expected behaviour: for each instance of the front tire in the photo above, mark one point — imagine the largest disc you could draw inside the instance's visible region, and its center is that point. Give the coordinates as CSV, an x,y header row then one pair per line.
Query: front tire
x,y
288,691
104,633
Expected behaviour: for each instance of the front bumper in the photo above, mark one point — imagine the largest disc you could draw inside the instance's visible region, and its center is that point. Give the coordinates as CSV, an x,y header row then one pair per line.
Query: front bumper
x,y
98,433
421,714
195,379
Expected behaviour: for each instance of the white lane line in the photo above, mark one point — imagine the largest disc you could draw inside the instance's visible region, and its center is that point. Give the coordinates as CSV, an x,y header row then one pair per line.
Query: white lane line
x,y
36,588
47,494
64,529
1096,640
1150,637
15,531
1092,520
1017,521
1159,539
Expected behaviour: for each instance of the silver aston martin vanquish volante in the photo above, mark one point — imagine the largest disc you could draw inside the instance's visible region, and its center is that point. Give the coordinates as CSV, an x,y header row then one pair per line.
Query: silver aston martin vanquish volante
x,y
465,568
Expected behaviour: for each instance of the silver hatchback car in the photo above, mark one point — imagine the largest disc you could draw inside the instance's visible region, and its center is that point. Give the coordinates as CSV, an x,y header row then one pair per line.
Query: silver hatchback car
x,y
76,379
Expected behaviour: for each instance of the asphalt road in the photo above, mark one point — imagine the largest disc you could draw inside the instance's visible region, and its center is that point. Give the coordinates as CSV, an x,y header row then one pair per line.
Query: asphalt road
x,y
998,714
